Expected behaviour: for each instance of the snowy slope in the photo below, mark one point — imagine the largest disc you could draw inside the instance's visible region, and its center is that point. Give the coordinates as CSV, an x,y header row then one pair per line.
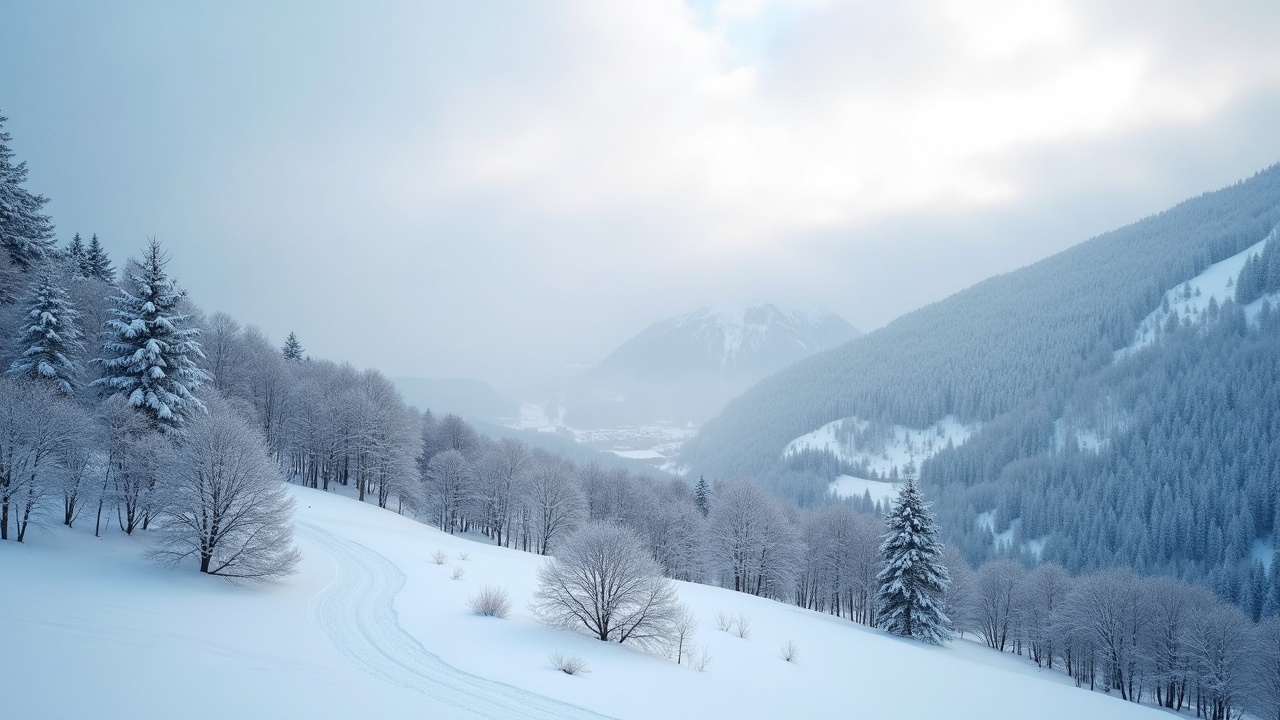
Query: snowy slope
x,y
371,628
886,453
1190,301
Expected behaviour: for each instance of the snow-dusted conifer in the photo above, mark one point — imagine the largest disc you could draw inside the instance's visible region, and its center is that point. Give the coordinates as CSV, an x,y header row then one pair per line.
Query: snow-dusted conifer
x,y
75,256
97,264
48,340
25,232
153,345
913,581
292,349
702,496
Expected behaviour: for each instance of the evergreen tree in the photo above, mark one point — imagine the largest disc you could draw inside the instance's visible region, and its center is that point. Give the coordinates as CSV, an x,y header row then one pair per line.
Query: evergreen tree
x,y
75,254
154,345
49,339
292,348
913,582
96,262
25,233
702,496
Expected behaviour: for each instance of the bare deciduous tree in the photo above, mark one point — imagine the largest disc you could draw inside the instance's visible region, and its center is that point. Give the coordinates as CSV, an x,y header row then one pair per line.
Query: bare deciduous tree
x,y
602,581
224,503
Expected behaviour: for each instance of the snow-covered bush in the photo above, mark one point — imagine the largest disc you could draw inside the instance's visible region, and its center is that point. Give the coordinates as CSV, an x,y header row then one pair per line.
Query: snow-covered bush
x,y
491,601
569,664
603,581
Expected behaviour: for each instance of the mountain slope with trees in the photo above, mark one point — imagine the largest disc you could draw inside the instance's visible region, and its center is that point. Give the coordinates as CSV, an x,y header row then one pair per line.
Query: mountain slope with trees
x,y
1177,472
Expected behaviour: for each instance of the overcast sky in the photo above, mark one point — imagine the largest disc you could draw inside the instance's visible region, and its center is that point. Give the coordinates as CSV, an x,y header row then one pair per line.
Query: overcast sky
x,y
493,189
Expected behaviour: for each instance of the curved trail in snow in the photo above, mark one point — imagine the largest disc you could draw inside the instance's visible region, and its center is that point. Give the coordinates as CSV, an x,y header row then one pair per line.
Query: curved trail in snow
x,y
357,615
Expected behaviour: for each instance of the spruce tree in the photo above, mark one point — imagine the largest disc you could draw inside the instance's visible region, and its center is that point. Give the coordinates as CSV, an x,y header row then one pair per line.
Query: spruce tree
x,y
75,256
913,582
292,348
154,346
25,233
48,339
97,264
702,496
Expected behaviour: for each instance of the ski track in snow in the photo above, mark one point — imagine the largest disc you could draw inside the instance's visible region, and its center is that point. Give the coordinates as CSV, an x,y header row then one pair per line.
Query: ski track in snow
x,y
356,614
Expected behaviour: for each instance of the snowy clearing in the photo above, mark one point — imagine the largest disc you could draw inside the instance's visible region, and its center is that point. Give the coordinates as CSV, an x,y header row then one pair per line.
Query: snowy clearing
x,y
1190,300
371,627
883,453
848,486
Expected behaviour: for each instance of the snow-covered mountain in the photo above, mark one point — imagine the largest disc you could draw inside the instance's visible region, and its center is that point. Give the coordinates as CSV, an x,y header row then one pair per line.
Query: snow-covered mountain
x,y
685,368
728,341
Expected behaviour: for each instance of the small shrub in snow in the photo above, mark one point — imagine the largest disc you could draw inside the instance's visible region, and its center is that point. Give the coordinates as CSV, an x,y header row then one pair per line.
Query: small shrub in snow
x,y
724,621
569,665
458,574
682,632
700,659
741,626
464,556
491,601
790,651
439,557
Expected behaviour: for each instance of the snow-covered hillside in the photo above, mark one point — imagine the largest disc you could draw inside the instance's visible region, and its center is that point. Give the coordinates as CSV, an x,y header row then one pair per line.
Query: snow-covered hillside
x,y
1190,302
371,627
884,453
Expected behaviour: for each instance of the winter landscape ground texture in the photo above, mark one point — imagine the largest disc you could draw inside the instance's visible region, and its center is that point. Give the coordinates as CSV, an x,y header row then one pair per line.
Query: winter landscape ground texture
x,y
372,627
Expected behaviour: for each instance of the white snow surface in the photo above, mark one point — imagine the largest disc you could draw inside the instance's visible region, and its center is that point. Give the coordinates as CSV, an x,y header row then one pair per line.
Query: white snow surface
x,y
371,628
907,445
1190,299
848,486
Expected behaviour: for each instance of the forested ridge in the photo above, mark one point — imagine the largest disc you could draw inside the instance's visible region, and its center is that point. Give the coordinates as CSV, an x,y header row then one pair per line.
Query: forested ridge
x,y
1185,480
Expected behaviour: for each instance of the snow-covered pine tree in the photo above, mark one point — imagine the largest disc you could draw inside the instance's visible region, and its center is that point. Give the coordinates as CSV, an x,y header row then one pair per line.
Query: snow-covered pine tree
x,y
702,496
25,233
75,256
154,345
913,582
292,348
96,262
48,340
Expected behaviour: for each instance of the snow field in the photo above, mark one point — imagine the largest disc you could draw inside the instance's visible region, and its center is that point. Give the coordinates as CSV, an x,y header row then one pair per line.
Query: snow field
x,y
92,629
906,445
1191,299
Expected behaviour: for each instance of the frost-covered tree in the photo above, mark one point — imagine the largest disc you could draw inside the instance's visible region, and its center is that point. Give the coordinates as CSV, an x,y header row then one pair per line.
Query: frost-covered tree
x,y
913,583
292,349
995,608
449,486
75,256
153,346
25,232
97,264
35,422
1264,700
1040,600
553,500
223,502
500,471
752,545
702,496
602,581
48,341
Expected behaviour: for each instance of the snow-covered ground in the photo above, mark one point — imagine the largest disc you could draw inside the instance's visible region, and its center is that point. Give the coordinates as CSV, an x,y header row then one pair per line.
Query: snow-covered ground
x,y
903,446
848,486
370,627
1190,300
